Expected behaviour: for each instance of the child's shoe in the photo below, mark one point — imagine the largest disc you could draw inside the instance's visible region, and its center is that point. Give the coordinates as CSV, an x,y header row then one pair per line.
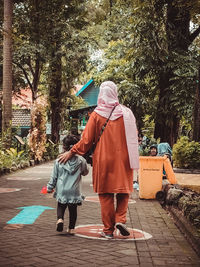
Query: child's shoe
x,y
71,231
59,225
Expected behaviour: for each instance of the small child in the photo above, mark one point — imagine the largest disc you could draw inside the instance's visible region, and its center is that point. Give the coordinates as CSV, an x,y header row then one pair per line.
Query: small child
x,y
66,178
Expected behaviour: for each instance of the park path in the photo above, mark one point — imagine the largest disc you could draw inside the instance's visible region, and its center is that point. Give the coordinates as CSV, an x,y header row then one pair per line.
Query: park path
x,y
28,236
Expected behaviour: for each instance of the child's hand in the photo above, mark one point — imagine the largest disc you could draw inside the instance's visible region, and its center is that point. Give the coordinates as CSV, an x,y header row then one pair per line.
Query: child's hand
x,y
50,191
45,190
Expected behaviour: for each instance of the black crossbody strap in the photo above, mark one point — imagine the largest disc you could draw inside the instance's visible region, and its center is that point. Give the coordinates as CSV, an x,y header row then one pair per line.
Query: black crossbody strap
x,y
104,126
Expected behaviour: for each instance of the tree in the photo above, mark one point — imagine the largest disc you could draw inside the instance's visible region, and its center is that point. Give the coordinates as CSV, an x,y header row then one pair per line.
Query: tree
x,y
196,114
7,73
66,54
196,110
49,50
29,46
124,60
178,39
158,73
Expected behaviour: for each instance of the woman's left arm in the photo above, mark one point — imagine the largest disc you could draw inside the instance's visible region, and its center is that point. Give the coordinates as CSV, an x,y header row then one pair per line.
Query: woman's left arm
x,y
87,139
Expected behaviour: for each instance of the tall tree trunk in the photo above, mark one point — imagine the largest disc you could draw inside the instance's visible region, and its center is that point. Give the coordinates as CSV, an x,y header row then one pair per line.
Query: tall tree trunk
x,y
37,36
55,93
196,113
7,73
111,4
178,36
167,120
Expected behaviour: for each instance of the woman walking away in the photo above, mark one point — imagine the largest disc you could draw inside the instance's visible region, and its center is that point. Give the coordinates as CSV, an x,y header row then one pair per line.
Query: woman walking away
x,y
66,179
113,129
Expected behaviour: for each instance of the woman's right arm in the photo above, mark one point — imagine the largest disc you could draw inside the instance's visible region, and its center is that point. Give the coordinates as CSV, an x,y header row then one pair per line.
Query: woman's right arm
x,y
88,137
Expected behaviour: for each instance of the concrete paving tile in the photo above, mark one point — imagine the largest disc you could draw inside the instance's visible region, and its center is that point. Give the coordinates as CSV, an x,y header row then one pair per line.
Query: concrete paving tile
x,y
159,262
144,254
122,253
9,264
154,248
145,260
5,261
130,260
146,264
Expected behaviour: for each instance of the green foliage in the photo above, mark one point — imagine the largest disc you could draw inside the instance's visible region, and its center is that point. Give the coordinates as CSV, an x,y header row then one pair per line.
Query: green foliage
x,y
11,159
137,55
6,136
50,49
185,127
184,67
186,154
51,151
5,161
131,56
14,154
144,151
148,127
16,157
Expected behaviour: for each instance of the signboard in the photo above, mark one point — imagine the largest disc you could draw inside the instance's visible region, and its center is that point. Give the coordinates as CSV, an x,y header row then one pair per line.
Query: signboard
x,y
48,128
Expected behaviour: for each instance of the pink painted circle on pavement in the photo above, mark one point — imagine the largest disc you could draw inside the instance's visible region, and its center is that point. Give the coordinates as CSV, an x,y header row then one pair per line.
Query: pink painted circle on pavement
x,y
94,232
8,190
96,199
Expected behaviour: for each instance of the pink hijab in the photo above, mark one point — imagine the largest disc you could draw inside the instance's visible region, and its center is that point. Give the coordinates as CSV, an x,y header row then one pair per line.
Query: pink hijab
x,y
107,99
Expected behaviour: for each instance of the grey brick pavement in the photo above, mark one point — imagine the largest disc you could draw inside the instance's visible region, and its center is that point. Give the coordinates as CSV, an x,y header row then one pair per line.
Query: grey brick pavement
x,y
40,245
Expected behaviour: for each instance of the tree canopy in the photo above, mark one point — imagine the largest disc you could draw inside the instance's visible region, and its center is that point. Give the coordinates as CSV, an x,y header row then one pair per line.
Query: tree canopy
x,y
149,48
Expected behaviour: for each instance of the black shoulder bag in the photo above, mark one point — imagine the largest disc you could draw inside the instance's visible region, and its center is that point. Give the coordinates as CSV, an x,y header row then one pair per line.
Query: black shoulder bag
x,y
88,155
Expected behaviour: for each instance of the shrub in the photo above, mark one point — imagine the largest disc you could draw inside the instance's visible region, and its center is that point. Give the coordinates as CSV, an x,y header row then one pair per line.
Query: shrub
x,y
186,154
11,159
5,161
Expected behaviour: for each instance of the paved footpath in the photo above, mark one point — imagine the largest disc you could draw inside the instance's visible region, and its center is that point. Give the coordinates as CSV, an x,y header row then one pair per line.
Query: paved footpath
x,y
28,236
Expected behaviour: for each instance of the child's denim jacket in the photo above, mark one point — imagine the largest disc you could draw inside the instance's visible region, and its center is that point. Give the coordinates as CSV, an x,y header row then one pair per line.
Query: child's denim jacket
x,y
66,178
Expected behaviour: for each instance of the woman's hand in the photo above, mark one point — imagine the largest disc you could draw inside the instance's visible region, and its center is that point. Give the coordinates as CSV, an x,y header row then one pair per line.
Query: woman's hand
x,y
63,158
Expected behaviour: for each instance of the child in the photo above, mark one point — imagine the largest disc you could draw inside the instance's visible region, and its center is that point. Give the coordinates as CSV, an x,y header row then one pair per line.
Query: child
x,y
66,178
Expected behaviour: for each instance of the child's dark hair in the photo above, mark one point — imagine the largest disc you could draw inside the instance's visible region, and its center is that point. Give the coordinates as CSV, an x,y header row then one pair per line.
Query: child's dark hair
x,y
69,141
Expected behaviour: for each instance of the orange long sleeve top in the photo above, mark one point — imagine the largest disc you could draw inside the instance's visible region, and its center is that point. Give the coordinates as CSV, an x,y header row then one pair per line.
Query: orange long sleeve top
x,y
111,168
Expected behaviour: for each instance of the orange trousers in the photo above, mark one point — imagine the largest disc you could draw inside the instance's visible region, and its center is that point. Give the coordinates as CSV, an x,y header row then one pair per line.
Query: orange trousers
x,y
111,215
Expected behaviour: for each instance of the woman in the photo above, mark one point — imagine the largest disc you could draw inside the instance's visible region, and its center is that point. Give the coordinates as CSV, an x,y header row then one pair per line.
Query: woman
x,y
115,157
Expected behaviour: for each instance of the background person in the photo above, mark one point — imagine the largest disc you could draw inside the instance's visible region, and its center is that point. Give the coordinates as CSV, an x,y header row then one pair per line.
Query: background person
x,y
66,178
153,150
165,149
115,157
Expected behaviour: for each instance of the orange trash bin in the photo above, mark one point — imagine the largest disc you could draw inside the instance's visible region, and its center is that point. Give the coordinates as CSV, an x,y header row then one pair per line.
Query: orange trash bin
x,y
150,176
169,171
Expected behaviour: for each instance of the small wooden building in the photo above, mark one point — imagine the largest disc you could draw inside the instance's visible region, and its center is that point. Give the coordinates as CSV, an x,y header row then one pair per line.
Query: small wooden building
x,y
21,121
79,117
89,92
